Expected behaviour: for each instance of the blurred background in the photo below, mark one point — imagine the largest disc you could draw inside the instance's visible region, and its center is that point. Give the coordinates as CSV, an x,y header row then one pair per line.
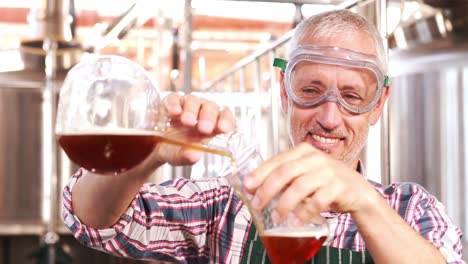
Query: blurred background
x,y
222,50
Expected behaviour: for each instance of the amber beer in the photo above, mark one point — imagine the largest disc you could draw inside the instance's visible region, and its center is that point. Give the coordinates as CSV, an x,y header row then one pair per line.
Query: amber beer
x,y
292,246
108,152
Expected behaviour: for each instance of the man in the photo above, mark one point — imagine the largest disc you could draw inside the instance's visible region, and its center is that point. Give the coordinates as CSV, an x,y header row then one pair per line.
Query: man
x,y
333,88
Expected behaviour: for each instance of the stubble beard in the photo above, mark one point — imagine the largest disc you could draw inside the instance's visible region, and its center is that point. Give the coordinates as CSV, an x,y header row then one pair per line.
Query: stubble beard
x,y
350,155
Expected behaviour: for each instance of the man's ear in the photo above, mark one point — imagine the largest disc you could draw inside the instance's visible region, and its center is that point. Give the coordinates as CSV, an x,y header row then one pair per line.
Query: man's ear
x,y
284,95
377,111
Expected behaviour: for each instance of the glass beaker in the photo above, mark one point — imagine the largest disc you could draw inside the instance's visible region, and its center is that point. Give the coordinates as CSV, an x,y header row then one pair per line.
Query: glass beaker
x,y
285,242
108,116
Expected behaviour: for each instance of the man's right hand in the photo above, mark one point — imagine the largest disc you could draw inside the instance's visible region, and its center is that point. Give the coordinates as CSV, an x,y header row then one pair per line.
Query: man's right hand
x,y
192,120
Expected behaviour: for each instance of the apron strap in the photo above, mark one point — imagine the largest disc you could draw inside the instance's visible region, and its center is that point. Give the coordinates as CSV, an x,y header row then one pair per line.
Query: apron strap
x,y
254,253
334,255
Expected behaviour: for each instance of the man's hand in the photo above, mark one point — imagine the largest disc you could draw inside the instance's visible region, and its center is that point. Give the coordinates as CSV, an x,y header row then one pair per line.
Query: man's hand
x,y
192,120
308,182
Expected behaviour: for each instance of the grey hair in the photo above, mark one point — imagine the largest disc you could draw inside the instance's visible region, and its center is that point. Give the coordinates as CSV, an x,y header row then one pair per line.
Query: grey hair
x,y
339,22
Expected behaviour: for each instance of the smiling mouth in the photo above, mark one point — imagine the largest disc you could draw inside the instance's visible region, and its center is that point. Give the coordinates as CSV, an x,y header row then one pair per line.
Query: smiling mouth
x,y
325,140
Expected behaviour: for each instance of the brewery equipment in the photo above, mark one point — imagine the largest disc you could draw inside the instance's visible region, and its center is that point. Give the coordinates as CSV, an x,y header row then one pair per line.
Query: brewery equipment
x,y
34,170
428,106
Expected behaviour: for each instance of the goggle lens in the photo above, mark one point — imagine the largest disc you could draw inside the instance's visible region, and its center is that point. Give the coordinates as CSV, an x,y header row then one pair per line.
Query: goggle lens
x,y
312,83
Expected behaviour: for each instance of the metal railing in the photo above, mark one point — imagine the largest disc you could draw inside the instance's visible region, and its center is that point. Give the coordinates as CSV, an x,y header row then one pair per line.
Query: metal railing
x,y
257,93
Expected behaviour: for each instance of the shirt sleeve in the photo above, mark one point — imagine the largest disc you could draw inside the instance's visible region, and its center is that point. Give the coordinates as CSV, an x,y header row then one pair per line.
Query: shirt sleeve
x,y
429,217
180,221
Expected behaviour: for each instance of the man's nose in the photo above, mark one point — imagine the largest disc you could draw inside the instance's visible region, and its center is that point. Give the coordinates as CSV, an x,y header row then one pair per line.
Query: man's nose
x,y
329,115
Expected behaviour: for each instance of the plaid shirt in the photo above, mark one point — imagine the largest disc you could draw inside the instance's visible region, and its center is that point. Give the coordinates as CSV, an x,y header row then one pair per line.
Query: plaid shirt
x,y
203,221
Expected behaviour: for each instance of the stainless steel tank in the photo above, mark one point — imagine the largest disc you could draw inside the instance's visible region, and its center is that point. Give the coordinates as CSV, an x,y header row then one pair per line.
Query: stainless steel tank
x,y
428,108
20,142
25,192
428,111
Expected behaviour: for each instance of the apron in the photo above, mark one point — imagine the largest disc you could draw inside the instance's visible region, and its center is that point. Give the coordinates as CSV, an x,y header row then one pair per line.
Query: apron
x,y
254,253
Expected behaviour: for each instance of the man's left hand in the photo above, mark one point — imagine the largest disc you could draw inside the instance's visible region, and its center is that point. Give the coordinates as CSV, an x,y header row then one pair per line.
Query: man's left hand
x,y
307,182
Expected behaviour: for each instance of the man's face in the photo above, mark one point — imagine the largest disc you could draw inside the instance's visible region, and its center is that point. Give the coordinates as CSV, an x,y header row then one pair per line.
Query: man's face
x,y
328,126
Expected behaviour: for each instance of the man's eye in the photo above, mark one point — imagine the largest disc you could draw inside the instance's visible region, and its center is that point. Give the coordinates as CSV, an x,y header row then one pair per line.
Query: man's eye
x,y
353,97
310,90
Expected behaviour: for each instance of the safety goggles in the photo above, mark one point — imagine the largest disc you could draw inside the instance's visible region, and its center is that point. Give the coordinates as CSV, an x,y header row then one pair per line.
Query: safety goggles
x,y
317,74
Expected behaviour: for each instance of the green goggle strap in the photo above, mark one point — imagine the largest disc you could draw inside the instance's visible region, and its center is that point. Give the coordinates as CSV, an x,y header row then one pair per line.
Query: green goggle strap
x,y
386,81
280,63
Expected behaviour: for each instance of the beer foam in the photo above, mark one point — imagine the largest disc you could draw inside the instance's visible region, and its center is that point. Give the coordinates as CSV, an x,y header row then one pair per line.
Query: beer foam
x,y
303,231
110,131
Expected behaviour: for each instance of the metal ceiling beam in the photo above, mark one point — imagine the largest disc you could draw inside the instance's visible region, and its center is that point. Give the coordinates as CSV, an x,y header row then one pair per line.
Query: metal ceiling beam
x,y
322,2
340,4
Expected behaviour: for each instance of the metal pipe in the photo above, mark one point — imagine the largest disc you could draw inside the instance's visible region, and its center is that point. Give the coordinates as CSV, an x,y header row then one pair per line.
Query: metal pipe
x,y
257,92
119,27
274,115
381,11
187,46
51,19
381,15
451,130
243,107
49,166
298,16
230,89
464,161
57,19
